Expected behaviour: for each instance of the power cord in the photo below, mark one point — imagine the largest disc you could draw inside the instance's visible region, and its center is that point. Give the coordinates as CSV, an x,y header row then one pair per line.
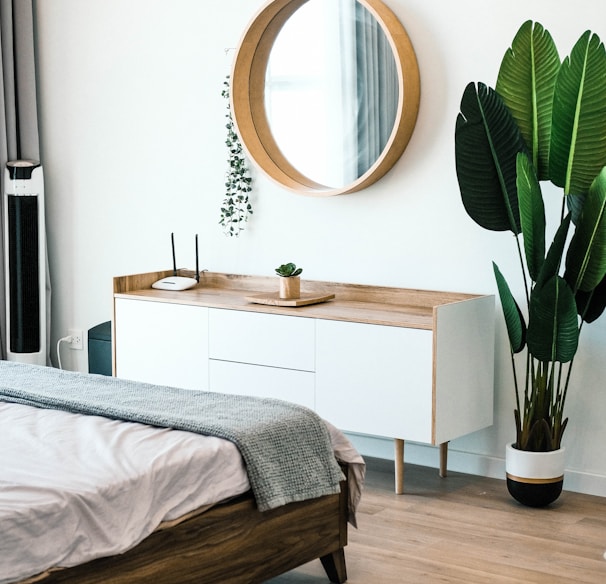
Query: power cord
x,y
67,339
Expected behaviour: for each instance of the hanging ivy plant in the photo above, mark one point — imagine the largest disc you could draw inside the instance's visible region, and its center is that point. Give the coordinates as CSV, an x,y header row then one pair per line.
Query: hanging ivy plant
x,y
236,206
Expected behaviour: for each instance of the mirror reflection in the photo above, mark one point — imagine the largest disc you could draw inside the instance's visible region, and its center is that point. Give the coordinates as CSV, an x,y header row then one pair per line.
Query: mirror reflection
x,y
331,91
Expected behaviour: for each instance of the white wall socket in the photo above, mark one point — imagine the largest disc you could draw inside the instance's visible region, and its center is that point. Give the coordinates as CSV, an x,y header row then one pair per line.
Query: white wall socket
x,y
76,342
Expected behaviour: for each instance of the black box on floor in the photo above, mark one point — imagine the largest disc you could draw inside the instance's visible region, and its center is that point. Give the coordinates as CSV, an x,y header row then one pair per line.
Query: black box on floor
x,y
100,349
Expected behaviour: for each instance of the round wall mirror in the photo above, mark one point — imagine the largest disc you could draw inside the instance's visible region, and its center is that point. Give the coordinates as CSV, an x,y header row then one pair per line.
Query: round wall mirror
x,y
325,93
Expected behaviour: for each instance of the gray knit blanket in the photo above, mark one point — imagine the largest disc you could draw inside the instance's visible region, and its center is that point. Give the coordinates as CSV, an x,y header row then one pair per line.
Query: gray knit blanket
x,y
286,447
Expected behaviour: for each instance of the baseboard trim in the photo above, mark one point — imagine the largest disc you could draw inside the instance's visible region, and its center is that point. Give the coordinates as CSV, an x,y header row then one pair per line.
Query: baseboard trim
x,y
469,462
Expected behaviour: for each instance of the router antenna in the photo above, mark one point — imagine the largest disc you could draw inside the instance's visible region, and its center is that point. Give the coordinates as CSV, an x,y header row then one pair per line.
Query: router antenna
x,y
172,241
197,266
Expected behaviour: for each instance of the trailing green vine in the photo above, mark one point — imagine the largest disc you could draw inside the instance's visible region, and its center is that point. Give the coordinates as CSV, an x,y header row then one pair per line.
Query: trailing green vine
x,y
236,206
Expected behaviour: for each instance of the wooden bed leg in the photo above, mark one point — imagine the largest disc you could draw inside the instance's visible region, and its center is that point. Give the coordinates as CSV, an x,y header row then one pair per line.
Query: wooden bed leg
x,y
444,459
334,566
399,465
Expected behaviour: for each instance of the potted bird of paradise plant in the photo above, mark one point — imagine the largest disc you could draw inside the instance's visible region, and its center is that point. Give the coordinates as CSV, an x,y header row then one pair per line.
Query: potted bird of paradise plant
x,y
544,122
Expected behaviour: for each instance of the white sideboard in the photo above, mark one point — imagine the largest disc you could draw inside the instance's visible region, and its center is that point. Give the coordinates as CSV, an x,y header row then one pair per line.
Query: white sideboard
x,y
391,362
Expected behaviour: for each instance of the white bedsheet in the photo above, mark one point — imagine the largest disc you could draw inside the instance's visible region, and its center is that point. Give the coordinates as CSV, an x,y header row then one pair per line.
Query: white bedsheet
x,y
75,487
116,483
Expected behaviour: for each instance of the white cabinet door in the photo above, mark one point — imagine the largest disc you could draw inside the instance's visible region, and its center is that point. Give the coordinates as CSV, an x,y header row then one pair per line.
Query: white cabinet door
x,y
259,381
262,339
162,343
374,379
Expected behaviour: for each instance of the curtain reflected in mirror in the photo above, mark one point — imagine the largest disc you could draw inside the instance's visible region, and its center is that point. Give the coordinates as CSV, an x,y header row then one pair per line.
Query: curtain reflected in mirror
x,y
331,91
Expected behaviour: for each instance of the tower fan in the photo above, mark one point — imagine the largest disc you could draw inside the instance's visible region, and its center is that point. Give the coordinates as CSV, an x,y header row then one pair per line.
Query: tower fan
x,y
25,262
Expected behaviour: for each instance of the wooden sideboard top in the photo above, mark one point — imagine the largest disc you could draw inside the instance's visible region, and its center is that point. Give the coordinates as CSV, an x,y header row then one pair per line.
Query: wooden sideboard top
x,y
353,302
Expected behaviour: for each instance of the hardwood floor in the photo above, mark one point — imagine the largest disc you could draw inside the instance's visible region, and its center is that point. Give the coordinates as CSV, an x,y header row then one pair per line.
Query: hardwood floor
x,y
466,529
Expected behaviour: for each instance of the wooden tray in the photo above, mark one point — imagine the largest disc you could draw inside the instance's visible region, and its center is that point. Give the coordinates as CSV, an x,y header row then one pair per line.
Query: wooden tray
x,y
275,300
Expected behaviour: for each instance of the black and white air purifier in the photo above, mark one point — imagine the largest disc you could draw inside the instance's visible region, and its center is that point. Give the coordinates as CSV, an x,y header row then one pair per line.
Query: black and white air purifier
x,y
25,262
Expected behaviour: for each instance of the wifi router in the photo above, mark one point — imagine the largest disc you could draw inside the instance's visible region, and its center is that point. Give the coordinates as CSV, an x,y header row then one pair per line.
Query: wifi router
x,y
176,282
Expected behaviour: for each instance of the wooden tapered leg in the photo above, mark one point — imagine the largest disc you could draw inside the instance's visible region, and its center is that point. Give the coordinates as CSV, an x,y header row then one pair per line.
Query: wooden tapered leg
x,y
443,459
334,566
399,465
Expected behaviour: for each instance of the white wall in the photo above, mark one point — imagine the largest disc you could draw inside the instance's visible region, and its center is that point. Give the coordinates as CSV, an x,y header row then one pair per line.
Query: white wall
x,y
133,126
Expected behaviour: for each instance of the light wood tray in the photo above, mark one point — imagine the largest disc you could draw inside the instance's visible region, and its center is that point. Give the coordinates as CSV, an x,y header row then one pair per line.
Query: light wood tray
x,y
275,300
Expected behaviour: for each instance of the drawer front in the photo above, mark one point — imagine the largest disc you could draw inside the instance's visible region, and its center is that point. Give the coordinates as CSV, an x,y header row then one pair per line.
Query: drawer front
x,y
239,378
162,343
262,339
374,379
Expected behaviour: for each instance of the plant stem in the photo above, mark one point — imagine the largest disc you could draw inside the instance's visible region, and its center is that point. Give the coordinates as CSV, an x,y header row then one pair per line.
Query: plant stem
x,y
515,381
563,400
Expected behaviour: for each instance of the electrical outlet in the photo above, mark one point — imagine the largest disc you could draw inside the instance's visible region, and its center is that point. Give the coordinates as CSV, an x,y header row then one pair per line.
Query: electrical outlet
x,y
76,342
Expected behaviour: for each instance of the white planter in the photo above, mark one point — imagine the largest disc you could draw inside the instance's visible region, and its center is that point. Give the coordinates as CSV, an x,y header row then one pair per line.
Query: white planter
x,y
534,478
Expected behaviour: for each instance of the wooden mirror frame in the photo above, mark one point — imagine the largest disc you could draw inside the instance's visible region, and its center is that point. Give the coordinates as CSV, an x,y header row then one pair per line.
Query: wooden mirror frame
x,y
248,98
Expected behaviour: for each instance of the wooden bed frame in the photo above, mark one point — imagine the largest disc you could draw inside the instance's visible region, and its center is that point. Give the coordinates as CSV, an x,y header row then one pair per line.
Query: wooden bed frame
x,y
232,543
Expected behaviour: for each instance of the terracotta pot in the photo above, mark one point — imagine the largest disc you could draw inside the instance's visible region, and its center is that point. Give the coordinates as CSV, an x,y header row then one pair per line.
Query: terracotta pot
x,y
534,479
290,287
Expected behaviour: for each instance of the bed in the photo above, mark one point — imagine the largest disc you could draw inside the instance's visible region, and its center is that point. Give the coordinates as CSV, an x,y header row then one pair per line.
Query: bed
x,y
200,523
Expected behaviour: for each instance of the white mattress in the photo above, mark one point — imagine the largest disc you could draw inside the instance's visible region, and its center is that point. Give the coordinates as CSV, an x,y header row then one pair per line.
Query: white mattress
x,y
76,487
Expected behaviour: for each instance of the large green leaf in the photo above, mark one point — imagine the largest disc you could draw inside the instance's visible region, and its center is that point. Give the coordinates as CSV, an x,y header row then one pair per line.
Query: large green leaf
x,y
514,320
578,132
532,215
574,203
553,332
487,141
586,258
526,82
591,305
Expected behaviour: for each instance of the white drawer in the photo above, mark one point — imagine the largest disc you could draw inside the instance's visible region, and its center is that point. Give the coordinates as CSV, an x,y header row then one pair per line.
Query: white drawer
x,y
262,339
239,378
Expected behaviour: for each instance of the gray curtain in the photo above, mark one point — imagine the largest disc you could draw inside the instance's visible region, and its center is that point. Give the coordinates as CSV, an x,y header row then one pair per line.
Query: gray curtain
x,y
19,120
377,88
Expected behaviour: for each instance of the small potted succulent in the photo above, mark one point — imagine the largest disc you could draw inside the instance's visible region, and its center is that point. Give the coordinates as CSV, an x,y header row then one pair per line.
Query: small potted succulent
x,y
290,282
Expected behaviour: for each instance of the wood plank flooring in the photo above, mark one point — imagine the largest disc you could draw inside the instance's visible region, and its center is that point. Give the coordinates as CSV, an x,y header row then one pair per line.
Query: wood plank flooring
x,y
466,529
